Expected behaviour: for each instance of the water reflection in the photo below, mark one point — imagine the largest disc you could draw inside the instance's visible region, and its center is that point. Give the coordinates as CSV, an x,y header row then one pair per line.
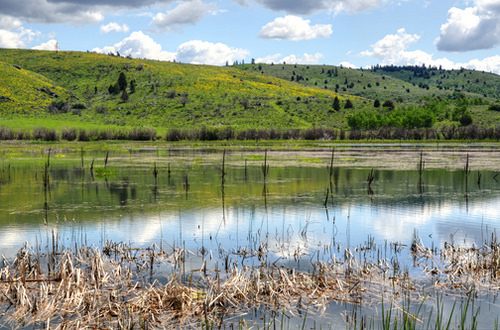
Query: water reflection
x,y
181,197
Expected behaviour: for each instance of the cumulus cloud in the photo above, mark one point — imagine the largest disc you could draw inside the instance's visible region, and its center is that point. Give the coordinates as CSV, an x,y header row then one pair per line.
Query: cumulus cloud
x,y
17,38
202,52
114,27
291,59
9,23
49,45
489,64
301,7
294,28
348,65
393,49
138,45
45,11
185,13
471,28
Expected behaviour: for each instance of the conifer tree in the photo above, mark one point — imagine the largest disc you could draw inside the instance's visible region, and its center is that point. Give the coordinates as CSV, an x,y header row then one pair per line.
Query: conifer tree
x,y
336,104
122,81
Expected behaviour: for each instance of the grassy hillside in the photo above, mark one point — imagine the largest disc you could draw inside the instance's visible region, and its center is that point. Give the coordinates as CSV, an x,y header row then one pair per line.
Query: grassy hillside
x,y
61,90
389,83
25,92
407,87
470,82
165,95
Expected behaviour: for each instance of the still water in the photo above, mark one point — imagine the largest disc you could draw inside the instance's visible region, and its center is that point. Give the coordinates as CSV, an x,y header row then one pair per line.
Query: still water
x,y
187,203
208,200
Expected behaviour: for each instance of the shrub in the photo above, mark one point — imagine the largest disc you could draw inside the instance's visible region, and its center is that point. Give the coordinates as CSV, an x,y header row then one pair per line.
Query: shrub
x,y
45,134
59,106
494,107
389,105
22,135
69,133
348,104
79,106
142,134
6,133
174,134
466,119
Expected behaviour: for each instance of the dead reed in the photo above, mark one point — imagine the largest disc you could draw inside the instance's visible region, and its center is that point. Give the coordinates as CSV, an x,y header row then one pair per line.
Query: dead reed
x,y
115,287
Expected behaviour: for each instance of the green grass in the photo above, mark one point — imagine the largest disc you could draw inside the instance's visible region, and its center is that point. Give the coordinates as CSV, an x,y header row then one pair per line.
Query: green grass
x,y
182,96
168,95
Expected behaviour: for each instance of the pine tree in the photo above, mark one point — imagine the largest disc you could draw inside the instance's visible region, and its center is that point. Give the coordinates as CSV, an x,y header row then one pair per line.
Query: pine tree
x,y
124,96
348,104
132,86
122,81
336,104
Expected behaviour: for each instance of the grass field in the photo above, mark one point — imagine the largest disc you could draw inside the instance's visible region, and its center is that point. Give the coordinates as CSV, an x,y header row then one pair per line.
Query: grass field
x,y
90,91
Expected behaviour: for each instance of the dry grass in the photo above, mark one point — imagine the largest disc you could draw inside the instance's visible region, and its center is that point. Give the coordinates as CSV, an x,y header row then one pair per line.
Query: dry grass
x,y
114,287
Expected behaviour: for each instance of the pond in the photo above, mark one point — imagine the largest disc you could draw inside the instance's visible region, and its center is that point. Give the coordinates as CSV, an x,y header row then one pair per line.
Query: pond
x,y
303,206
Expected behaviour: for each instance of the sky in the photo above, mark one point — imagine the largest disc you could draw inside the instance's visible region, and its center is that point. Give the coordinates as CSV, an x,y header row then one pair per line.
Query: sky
x,y
352,33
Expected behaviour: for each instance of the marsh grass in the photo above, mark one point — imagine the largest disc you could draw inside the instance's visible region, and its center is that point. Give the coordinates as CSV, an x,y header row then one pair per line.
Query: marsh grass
x,y
116,286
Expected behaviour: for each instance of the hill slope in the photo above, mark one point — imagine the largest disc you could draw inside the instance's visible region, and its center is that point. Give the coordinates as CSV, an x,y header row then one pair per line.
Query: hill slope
x,y
168,94
56,89
404,84
25,92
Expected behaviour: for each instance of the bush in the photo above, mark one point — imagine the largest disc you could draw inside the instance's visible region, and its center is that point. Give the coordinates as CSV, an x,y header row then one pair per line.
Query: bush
x,y
466,119
348,104
6,133
142,134
45,134
79,106
69,134
389,105
174,134
494,107
59,106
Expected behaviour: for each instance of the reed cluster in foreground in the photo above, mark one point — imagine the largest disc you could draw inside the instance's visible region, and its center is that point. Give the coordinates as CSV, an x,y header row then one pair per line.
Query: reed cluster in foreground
x,y
118,286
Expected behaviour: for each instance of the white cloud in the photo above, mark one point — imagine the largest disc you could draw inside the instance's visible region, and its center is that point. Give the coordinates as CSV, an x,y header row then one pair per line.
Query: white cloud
x,y
348,65
114,27
138,45
49,45
489,64
10,23
202,52
392,49
302,7
17,38
185,13
471,28
291,59
294,28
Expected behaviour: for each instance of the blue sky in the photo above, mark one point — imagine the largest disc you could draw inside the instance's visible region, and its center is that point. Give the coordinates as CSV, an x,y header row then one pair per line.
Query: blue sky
x,y
357,33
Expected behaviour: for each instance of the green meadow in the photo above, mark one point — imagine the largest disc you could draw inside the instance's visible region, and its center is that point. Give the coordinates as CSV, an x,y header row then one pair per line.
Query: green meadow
x,y
58,95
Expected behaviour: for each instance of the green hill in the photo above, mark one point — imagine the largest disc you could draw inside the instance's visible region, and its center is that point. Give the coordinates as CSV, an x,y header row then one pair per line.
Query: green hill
x,y
164,94
25,92
403,84
95,91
